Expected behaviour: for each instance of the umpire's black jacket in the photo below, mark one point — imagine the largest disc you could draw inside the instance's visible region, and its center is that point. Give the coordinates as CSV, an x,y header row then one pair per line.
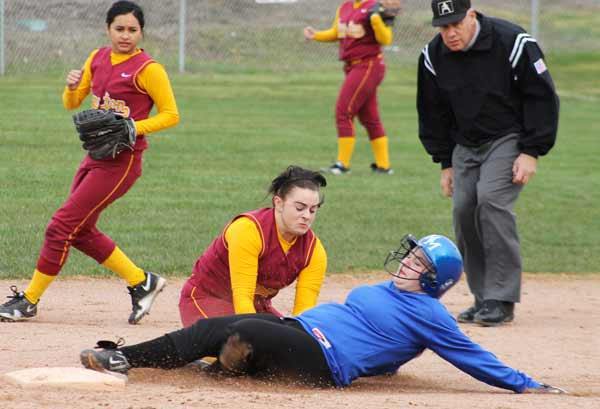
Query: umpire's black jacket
x,y
499,86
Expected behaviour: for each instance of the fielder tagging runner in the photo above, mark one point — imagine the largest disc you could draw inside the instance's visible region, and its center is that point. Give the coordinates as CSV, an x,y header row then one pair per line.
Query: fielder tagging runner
x,y
377,330
260,252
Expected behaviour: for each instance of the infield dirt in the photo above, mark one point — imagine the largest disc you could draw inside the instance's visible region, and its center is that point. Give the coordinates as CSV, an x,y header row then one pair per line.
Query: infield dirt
x,y
555,338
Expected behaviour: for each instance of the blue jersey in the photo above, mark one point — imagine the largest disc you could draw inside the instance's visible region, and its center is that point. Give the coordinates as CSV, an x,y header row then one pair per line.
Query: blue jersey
x,y
379,328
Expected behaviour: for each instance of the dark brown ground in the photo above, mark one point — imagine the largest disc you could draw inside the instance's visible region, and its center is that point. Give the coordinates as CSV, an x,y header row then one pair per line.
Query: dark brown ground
x,y
555,338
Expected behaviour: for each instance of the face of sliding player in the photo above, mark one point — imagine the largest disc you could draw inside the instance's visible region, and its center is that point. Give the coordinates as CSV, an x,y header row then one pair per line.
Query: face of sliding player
x,y
431,265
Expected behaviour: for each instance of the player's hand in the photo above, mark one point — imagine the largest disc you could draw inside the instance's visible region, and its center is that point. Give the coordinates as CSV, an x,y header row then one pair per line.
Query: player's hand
x,y
545,388
447,182
524,169
309,33
74,78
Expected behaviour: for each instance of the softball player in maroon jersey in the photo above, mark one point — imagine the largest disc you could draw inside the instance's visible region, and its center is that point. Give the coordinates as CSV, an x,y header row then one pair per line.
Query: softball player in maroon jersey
x,y
122,78
260,252
360,32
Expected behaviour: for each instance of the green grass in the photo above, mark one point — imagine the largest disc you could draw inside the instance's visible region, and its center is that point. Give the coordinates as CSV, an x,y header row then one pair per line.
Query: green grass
x,y
239,129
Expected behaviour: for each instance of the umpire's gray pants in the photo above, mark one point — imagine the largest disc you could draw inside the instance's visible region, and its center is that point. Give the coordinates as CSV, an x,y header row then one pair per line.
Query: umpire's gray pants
x,y
484,222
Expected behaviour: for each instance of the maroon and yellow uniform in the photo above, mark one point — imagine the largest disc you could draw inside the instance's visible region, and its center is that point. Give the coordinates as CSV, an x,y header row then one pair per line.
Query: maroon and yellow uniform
x,y
130,85
360,35
98,183
247,265
356,36
124,79
115,88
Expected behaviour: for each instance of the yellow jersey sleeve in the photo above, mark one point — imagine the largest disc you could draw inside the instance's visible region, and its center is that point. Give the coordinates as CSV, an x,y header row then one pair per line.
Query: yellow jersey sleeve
x,y
310,280
154,80
330,34
245,244
73,98
383,33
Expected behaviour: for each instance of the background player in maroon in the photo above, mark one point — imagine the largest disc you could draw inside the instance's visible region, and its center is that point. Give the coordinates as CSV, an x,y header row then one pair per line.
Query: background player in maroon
x,y
360,31
124,79
260,252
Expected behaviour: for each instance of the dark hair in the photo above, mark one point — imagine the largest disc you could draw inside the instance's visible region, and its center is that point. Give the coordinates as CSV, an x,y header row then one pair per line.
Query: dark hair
x,y
125,7
295,176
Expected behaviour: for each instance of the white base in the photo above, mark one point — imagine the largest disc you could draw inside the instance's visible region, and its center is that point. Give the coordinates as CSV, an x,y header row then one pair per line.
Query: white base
x,y
67,377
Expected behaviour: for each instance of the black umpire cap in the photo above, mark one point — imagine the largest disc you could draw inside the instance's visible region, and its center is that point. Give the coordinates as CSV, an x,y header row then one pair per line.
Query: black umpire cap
x,y
449,11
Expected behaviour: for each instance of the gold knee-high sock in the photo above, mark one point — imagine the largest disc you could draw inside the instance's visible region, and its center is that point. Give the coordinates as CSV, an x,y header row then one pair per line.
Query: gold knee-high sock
x,y
37,286
381,152
121,265
345,150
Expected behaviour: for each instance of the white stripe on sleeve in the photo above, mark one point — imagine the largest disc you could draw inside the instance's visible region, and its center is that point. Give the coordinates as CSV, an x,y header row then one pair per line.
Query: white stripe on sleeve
x,y
520,51
427,60
516,45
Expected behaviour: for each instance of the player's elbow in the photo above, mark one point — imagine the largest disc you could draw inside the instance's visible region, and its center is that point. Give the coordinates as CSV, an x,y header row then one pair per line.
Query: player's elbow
x,y
170,119
176,118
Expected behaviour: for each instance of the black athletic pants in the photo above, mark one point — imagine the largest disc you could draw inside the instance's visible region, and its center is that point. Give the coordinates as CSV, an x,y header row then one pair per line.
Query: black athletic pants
x,y
281,347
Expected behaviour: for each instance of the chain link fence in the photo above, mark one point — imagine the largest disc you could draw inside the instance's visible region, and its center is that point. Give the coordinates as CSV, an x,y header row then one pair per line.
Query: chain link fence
x,y
55,35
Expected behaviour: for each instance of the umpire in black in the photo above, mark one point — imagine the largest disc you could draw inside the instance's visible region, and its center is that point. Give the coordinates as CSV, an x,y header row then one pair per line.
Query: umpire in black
x,y
487,110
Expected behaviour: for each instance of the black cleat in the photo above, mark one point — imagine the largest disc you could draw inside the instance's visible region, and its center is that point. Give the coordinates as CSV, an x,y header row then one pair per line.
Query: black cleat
x,y
336,169
18,308
106,357
381,171
111,360
143,295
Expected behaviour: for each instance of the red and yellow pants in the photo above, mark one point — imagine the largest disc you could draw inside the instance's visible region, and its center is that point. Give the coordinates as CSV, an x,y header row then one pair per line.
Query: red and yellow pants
x,y
358,97
96,185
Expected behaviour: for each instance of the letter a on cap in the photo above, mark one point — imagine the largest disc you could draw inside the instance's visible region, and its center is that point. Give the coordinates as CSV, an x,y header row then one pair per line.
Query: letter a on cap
x,y
445,7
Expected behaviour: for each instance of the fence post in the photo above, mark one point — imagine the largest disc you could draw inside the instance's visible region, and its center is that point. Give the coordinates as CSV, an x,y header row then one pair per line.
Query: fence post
x,y
2,37
535,14
182,12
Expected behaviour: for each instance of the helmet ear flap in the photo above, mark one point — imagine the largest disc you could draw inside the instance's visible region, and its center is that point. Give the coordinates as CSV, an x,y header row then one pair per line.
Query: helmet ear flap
x,y
429,279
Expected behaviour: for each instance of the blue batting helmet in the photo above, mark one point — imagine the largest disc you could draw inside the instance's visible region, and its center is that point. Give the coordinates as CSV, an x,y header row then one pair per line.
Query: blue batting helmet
x,y
443,260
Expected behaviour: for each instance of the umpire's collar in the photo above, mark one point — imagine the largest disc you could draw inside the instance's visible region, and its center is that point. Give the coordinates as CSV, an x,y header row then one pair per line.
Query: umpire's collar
x,y
484,39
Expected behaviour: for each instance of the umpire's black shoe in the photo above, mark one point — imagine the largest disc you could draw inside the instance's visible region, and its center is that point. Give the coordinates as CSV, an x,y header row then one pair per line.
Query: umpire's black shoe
x,y
468,315
494,313
143,295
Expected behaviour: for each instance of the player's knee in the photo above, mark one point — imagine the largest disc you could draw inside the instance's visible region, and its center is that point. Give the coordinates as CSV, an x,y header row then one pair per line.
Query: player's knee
x,y
342,113
56,230
235,354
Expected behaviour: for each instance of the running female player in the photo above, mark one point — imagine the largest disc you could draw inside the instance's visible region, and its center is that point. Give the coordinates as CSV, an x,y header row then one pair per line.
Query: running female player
x,y
123,78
